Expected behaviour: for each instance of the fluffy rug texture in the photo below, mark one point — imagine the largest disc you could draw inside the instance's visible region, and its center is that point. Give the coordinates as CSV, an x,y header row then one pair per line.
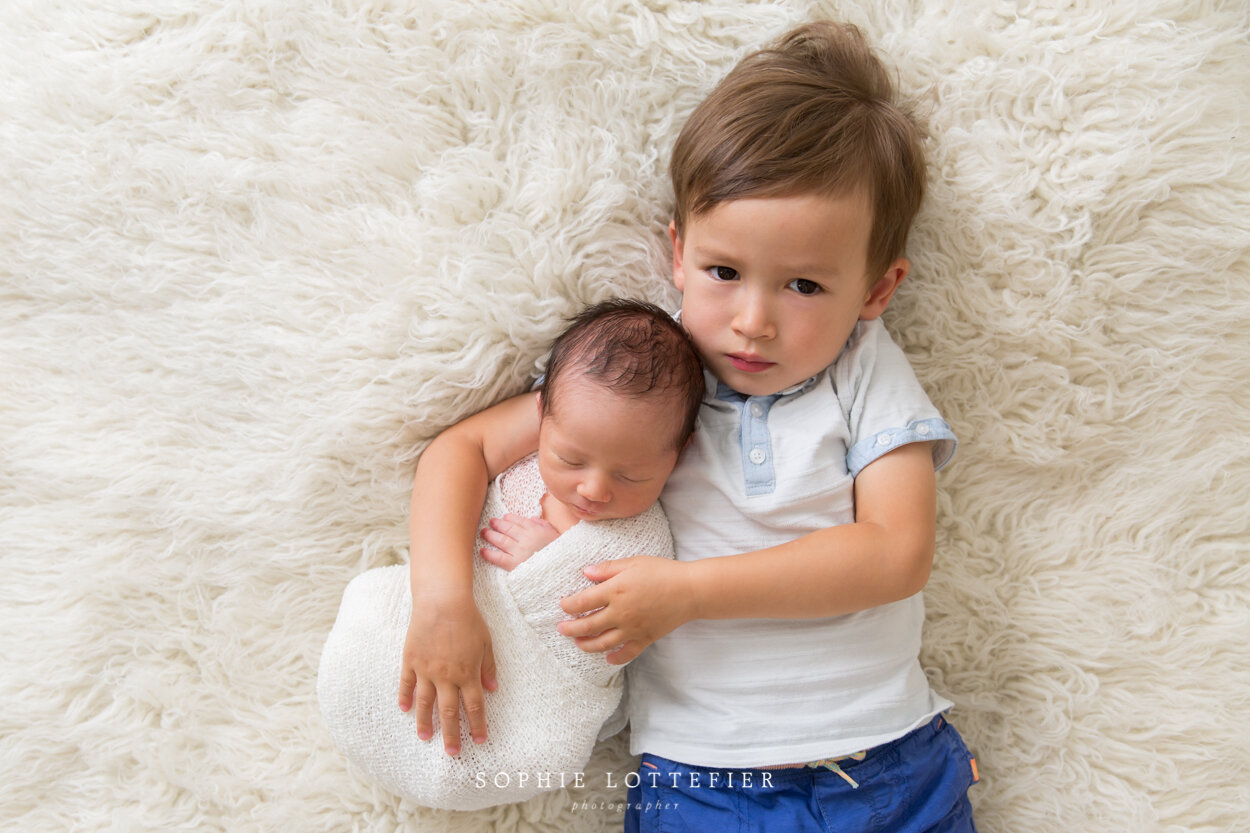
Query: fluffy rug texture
x,y
254,255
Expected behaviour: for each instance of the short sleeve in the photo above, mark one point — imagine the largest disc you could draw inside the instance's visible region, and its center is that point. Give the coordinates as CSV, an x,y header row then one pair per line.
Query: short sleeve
x,y
883,402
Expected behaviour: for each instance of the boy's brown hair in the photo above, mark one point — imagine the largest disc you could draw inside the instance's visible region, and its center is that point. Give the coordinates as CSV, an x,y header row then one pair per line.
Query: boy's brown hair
x,y
815,113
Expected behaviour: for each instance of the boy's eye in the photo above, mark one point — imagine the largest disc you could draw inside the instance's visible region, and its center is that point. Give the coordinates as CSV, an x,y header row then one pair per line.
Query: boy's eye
x,y
724,273
805,287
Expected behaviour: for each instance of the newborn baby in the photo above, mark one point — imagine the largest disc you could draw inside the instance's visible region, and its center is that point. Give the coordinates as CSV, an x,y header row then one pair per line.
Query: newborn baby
x,y
616,408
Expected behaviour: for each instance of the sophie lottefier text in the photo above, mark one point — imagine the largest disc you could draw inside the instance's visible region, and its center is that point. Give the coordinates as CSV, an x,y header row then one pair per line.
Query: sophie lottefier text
x,y
744,779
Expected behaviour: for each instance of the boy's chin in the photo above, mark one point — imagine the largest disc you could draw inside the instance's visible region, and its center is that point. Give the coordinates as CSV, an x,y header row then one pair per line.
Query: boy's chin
x,y
756,384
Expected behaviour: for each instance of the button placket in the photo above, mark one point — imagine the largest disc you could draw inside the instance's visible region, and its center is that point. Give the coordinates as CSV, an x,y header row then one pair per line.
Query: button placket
x,y
756,446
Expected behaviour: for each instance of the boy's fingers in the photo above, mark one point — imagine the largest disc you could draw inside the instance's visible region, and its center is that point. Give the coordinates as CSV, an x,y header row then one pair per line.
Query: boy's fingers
x,y
582,626
597,644
407,680
606,569
475,712
626,653
592,598
449,717
424,705
489,681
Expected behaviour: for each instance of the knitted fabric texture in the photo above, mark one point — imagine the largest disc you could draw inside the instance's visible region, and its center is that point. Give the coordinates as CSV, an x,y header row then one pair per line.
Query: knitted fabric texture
x,y
552,699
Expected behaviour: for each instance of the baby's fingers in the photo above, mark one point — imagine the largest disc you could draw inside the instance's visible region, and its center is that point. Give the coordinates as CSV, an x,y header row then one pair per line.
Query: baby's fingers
x,y
508,525
496,556
495,537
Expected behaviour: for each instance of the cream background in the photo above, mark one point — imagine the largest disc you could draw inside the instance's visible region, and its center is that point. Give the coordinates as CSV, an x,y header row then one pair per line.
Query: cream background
x,y
253,255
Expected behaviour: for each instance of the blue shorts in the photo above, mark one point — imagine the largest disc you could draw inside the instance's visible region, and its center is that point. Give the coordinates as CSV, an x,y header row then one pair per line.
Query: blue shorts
x,y
918,782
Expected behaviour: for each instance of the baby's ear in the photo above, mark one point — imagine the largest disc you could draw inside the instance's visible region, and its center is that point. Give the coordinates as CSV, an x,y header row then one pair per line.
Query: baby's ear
x,y
883,290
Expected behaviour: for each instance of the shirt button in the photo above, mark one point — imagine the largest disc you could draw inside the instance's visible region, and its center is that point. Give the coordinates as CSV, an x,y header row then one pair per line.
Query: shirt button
x,y
757,456
922,429
757,410
884,439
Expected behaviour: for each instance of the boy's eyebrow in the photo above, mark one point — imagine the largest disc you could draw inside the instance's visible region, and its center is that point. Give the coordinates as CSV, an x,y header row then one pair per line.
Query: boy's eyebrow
x,y
712,253
726,259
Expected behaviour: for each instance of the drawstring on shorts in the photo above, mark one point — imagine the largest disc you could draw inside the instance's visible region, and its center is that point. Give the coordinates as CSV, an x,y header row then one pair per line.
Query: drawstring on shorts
x,y
831,764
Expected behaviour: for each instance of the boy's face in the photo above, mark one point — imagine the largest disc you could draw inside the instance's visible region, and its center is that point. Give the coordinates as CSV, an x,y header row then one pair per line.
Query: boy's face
x,y
772,286
605,455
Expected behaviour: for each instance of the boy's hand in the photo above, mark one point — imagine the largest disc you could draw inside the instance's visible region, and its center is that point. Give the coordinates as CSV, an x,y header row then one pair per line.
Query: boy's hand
x,y
636,601
447,656
513,539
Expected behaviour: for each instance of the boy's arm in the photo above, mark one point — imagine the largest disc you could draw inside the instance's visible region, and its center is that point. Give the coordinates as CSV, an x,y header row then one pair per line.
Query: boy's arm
x,y
447,652
884,556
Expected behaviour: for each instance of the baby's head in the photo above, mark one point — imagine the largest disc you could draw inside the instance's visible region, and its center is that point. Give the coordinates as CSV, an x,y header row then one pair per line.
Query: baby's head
x,y
814,114
618,404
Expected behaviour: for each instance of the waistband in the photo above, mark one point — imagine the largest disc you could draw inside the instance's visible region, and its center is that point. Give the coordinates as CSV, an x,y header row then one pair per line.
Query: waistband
x,y
841,763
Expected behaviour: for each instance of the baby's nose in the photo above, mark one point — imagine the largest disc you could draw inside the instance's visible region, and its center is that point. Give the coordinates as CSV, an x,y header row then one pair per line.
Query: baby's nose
x,y
594,489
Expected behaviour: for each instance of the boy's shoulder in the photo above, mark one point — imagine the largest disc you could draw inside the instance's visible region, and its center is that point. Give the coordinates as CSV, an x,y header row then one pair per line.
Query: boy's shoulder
x,y
863,343
870,353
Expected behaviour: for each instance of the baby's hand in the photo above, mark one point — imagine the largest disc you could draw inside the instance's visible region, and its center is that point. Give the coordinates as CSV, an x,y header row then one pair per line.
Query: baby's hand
x,y
513,539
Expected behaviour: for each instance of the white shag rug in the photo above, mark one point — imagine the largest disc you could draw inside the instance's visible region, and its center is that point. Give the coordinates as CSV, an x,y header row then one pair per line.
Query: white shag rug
x,y
253,255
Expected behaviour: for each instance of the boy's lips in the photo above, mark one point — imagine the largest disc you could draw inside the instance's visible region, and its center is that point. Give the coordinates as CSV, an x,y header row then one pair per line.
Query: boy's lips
x,y
748,362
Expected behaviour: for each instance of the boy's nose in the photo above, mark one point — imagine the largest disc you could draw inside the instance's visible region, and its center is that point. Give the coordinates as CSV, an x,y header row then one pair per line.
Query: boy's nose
x,y
752,319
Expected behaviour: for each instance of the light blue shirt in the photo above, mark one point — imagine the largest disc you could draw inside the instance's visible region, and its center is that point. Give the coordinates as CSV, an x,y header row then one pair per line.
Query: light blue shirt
x,y
761,471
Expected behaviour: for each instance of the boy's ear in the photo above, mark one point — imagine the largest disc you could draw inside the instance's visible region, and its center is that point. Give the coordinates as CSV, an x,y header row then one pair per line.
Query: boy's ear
x,y
883,290
679,279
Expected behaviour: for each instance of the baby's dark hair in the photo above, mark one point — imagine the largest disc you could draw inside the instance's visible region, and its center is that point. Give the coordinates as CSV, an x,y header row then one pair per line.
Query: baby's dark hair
x,y
815,113
631,348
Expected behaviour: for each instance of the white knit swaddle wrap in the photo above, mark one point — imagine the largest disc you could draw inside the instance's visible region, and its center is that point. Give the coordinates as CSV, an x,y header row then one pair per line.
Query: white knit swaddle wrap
x,y
552,697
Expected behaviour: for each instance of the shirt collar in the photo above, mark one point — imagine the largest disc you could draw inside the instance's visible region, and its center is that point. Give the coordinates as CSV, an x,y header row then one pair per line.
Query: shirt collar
x,y
723,392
